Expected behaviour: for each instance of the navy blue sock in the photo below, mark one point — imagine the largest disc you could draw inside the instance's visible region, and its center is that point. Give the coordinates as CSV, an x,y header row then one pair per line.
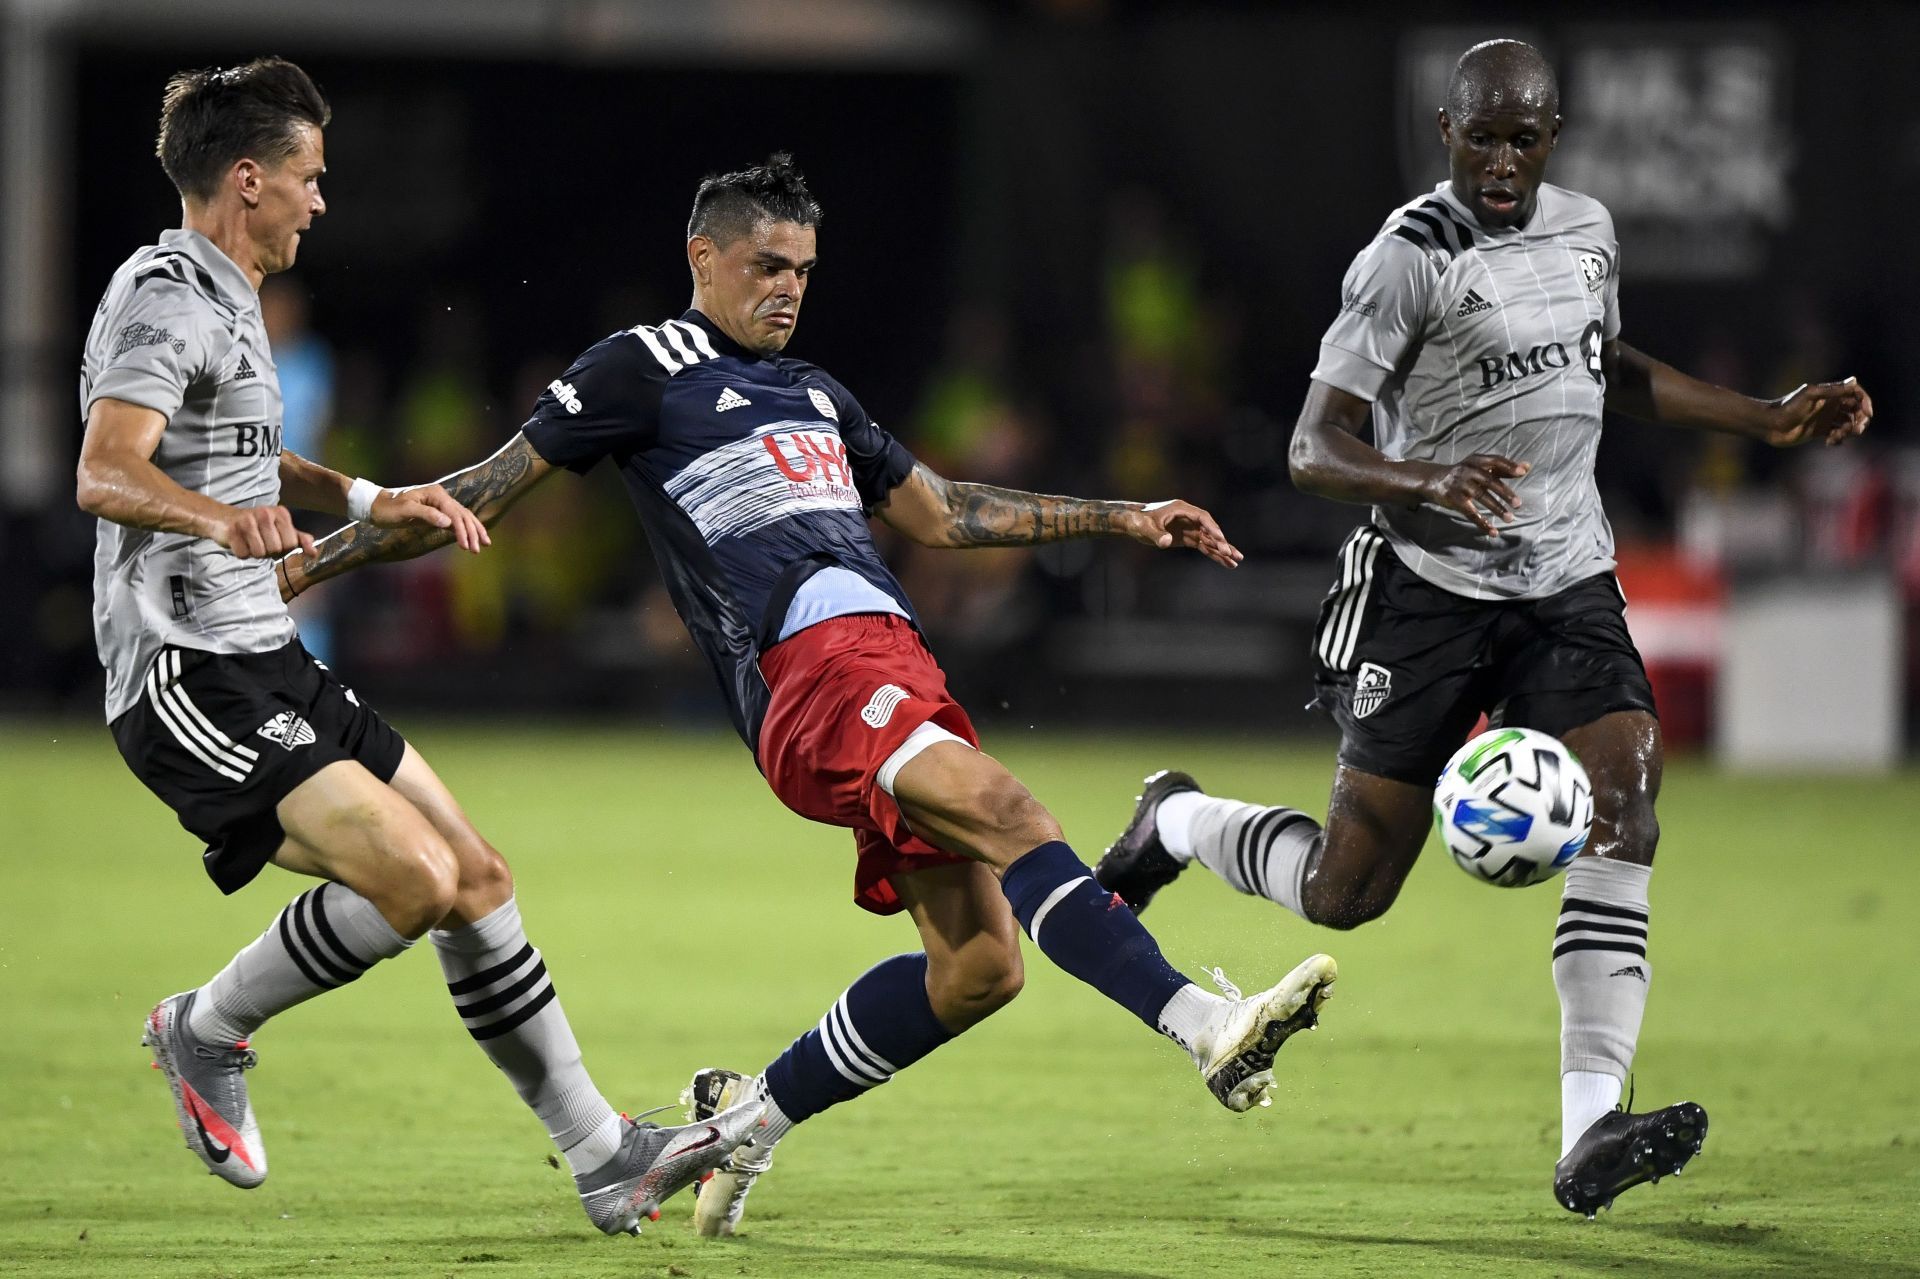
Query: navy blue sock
x,y
883,1024
1090,932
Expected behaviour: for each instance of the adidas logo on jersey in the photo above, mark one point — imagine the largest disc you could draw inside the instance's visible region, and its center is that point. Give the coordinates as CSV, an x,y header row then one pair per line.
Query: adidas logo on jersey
x,y
730,399
244,371
288,729
1472,304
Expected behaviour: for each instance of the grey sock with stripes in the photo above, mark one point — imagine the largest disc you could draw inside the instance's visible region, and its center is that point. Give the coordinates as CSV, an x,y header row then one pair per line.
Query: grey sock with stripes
x,y
326,937
1601,972
1261,851
501,989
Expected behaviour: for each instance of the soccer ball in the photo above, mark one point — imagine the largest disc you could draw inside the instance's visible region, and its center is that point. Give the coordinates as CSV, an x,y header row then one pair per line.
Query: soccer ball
x,y
1513,807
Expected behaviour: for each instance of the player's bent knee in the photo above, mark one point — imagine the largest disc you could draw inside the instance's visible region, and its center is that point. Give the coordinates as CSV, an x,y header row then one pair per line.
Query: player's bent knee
x,y
428,884
484,873
1010,808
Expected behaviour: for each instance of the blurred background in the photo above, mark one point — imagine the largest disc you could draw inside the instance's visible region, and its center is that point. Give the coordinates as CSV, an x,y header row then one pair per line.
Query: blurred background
x,y
1071,246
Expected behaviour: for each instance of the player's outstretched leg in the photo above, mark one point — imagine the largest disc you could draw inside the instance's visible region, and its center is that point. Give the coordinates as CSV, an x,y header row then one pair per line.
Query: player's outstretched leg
x,y
1341,876
962,800
507,1001
403,879
1602,974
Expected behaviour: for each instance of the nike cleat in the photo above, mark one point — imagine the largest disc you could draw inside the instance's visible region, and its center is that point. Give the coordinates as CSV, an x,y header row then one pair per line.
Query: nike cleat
x,y
721,1199
209,1093
1622,1150
1235,1054
1138,865
653,1164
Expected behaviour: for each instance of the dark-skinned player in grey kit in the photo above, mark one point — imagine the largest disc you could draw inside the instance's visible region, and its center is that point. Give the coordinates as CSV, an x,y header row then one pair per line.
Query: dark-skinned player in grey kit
x,y
1479,336
755,475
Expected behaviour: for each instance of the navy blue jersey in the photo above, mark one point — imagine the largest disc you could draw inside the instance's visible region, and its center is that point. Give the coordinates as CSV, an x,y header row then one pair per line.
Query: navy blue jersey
x,y
751,475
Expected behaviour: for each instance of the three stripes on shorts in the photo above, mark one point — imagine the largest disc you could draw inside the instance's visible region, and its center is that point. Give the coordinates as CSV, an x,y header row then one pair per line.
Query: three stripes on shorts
x,y
202,738
1339,631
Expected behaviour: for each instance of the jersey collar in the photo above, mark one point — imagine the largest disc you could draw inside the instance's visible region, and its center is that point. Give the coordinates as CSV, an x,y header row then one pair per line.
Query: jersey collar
x,y
1444,193
235,289
721,342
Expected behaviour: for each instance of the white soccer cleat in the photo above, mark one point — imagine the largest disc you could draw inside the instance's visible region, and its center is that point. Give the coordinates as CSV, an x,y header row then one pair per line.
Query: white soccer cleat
x,y
721,1198
1235,1052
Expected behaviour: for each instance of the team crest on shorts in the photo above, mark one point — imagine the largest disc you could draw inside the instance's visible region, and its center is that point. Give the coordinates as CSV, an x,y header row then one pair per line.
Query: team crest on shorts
x,y
879,708
288,729
1370,688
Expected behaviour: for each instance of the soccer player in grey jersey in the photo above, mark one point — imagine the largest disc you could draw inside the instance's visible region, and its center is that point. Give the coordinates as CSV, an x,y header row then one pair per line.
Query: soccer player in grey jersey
x,y
214,704
1479,334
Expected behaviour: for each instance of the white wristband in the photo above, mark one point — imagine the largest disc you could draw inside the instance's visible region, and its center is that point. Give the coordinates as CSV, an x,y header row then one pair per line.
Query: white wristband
x,y
360,497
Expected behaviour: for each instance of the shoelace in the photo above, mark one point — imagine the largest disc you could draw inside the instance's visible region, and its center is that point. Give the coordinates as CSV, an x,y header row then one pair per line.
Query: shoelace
x,y
237,1057
1221,980
635,1120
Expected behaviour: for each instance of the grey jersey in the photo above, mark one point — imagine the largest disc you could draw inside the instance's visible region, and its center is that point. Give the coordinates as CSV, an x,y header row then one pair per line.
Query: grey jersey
x,y
1475,341
179,332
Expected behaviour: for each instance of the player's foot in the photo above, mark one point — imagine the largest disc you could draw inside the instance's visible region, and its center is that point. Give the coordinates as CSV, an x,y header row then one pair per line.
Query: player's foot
x,y
653,1164
1235,1053
1138,865
721,1199
209,1093
1622,1150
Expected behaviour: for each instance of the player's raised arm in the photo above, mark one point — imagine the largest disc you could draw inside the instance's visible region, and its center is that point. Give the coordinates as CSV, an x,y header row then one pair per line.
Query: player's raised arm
x,y
487,491
1329,459
935,511
1640,386
118,481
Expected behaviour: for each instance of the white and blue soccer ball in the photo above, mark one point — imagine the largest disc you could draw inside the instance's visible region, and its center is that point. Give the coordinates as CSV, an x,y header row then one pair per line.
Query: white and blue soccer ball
x,y
1513,807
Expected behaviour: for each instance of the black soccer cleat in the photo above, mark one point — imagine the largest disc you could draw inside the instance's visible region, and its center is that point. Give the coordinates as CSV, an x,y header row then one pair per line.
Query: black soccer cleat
x,y
1137,865
1622,1150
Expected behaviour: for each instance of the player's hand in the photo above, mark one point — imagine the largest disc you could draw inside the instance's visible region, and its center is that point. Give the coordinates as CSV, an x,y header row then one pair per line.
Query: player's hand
x,y
1477,488
431,505
255,532
1833,412
1169,524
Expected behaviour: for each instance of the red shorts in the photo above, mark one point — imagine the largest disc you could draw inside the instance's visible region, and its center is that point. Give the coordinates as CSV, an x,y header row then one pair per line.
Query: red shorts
x,y
847,692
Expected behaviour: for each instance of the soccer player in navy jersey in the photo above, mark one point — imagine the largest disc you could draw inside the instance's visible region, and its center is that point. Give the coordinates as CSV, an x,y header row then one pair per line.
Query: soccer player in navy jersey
x,y
754,475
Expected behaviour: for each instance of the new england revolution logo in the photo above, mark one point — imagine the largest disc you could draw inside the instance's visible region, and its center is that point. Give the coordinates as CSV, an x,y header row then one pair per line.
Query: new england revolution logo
x,y
1370,688
880,707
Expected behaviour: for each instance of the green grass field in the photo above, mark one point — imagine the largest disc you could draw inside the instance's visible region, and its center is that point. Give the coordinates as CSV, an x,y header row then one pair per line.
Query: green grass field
x,y
689,920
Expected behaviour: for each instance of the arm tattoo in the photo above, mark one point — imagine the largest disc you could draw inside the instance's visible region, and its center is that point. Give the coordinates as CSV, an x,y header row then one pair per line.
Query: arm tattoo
x,y
487,490
983,515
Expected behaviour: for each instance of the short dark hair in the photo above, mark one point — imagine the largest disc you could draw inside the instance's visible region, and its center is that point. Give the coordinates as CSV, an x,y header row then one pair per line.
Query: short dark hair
x,y
729,205
212,118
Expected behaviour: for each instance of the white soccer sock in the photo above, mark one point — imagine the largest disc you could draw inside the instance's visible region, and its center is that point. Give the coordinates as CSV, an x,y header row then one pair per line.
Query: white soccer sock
x,y
1260,851
502,992
774,1123
1184,1019
325,938
1602,974
1173,819
1585,1095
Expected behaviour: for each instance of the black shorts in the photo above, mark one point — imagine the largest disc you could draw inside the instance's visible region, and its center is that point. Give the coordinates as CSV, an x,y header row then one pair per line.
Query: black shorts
x,y
222,738
1406,668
